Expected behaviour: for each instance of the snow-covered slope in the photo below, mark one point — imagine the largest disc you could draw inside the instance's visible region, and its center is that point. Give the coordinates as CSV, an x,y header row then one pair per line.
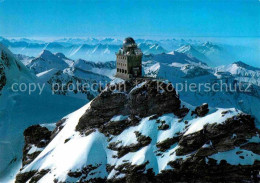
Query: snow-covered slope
x,y
157,138
19,109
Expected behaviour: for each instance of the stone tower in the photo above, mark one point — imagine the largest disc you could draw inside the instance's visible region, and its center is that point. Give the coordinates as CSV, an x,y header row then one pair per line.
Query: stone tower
x,y
129,60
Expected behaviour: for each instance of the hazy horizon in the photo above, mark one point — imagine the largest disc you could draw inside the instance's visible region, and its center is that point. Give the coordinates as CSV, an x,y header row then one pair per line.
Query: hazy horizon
x,y
166,18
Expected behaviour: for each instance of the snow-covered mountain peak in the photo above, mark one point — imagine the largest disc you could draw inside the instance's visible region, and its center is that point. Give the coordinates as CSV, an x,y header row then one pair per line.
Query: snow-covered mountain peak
x,y
240,68
46,54
47,60
60,55
11,69
246,66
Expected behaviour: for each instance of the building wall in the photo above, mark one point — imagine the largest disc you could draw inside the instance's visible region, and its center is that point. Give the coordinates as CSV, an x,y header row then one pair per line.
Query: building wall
x,y
122,67
135,62
125,65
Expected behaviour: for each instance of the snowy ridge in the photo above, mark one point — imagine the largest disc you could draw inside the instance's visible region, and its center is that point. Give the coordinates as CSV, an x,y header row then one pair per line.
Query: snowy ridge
x,y
94,147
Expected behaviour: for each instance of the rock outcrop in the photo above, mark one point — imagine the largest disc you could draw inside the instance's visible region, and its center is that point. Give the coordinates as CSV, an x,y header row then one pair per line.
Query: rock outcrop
x,y
201,110
36,138
142,98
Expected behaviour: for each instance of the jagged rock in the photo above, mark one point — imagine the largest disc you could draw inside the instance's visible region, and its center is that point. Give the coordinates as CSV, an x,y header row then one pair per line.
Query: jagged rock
x,y
153,97
84,172
123,150
182,112
24,177
59,126
134,173
163,127
220,135
198,170
37,176
201,110
254,147
166,144
33,176
2,77
147,100
37,136
103,108
116,127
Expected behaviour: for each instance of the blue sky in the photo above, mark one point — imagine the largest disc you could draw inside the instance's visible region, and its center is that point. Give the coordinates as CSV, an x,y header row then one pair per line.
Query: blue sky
x,y
114,18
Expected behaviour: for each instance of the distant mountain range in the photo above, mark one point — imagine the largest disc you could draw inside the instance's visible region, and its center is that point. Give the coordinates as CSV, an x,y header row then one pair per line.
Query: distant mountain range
x,y
177,67
100,50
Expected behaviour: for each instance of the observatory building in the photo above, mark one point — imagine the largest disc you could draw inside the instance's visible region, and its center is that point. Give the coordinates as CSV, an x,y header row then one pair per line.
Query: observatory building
x,y
129,60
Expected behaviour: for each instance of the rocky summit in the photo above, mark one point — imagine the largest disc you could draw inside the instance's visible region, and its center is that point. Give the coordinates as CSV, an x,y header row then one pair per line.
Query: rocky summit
x,y
141,131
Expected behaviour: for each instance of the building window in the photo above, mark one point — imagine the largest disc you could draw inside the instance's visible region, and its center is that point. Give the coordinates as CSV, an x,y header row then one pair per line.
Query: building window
x,y
117,70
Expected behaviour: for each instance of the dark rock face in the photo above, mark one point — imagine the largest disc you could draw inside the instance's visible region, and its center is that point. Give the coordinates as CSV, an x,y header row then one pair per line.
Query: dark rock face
x,y
59,126
148,100
35,135
39,137
33,176
201,110
117,127
103,108
24,177
2,77
134,173
166,144
5,59
153,97
220,135
254,147
83,174
196,169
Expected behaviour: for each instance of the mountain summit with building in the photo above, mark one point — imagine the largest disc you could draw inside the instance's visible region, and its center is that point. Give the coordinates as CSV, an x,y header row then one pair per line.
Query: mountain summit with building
x,y
138,134
129,60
